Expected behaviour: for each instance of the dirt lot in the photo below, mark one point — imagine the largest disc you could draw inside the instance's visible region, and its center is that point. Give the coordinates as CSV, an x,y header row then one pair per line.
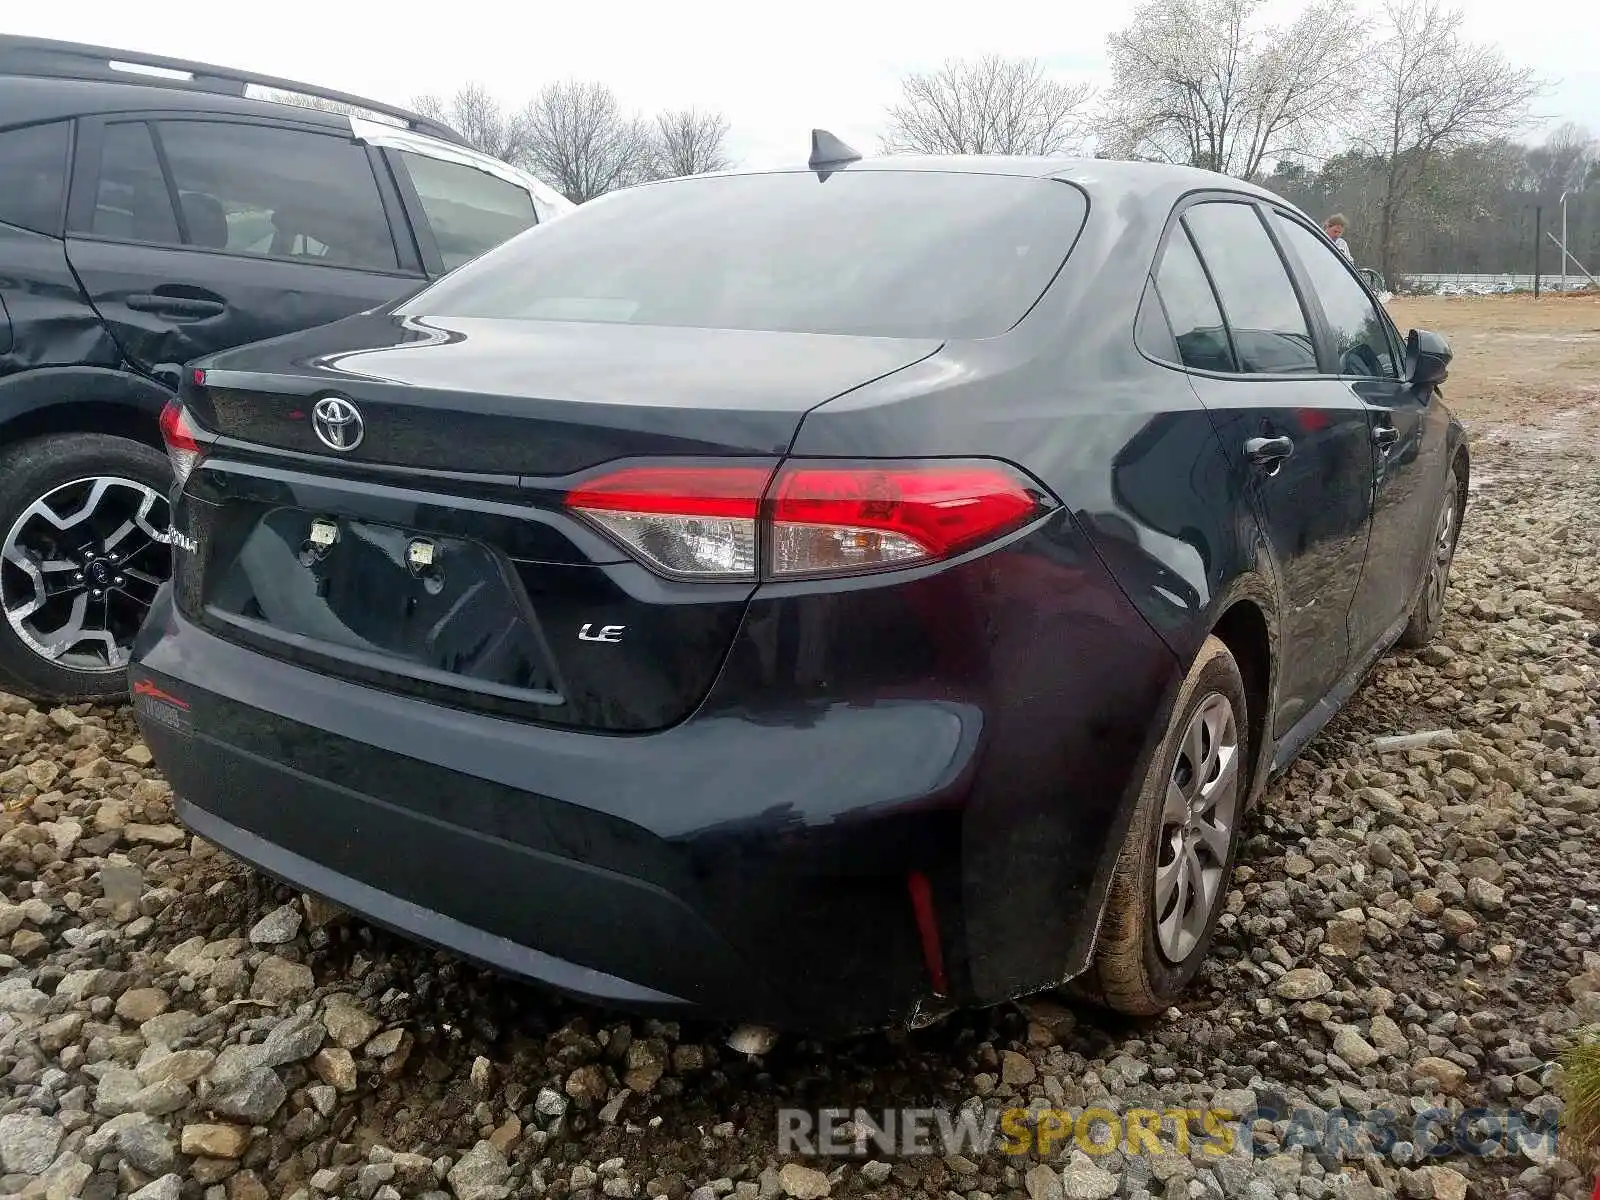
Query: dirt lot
x,y
1519,362
1410,932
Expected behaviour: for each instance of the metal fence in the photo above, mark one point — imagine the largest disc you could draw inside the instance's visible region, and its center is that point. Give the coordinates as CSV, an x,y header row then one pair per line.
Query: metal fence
x,y
1464,283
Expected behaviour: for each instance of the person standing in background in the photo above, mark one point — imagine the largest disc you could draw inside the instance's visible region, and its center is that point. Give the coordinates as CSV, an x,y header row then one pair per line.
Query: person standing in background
x,y
1334,228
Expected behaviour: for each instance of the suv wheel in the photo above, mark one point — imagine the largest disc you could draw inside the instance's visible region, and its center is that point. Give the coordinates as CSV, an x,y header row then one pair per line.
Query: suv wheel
x,y
84,545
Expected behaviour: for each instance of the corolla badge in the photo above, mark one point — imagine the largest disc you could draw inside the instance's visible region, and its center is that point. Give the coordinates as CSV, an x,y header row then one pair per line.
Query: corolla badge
x,y
338,423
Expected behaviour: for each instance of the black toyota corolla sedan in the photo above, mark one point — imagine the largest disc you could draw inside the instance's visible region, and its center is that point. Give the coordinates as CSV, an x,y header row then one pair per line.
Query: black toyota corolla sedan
x,y
820,597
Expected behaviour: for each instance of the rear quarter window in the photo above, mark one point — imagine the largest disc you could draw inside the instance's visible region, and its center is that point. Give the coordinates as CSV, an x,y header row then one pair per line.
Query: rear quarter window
x,y
469,210
874,253
1200,338
33,176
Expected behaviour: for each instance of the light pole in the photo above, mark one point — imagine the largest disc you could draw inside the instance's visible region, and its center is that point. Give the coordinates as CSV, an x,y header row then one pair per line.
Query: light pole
x,y
1563,243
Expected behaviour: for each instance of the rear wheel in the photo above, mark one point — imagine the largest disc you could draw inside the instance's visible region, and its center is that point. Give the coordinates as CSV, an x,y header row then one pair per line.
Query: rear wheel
x,y
1428,615
84,545
1172,877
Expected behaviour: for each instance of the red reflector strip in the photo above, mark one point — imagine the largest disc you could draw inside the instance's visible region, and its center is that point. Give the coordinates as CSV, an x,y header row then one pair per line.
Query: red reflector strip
x,y
144,687
928,930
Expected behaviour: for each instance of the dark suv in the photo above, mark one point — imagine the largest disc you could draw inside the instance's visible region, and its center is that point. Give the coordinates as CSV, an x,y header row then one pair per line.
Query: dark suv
x,y
153,211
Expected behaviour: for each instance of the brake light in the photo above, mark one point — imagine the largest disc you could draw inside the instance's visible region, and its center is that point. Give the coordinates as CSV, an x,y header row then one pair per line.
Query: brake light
x,y
698,522
830,519
810,518
183,442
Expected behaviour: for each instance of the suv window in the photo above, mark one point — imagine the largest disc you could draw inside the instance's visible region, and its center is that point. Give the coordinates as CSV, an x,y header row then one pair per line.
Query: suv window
x,y
33,164
1191,307
255,189
1270,331
469,210
928,254
1360,334
131,201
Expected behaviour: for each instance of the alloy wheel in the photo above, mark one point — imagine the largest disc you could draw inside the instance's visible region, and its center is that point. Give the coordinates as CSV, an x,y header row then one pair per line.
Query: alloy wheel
x,y
1198,822
80,568
1444,549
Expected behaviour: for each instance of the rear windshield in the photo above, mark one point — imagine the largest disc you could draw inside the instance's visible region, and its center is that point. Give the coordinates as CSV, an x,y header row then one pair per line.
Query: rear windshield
x,y
879,253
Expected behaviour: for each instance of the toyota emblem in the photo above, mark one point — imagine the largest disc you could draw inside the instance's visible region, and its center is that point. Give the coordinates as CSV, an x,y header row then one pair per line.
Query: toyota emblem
x,y
338,423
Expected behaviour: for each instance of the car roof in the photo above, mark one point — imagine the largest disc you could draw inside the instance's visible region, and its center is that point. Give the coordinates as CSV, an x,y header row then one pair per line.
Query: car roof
x,y
1158,183
46,79
26,100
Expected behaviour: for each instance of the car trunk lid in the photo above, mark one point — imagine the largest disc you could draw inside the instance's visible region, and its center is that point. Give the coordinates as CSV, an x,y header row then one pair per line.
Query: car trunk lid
x,y
434,555
537,398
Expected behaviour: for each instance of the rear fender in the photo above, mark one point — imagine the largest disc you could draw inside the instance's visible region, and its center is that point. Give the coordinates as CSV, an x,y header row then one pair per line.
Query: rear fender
x,y
80,399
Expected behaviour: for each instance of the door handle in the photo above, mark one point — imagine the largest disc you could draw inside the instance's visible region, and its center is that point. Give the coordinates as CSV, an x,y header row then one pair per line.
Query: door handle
x,y
1385,435
1268,452
190,308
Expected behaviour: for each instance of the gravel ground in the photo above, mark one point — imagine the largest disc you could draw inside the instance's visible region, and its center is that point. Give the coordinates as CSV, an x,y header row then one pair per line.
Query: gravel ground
x,y
1410,927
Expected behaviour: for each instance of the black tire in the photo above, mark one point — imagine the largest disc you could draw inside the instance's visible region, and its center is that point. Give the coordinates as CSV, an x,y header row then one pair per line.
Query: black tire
x,y
1135,971
32,471
1427,615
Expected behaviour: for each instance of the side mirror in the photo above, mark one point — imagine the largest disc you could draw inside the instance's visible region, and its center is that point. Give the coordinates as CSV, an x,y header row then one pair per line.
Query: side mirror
x,y
1427,358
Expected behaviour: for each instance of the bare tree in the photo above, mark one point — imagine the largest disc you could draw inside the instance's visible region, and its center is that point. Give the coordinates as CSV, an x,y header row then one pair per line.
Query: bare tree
x,y
1202,82
989,105
1434,92
306,100
580,141
1562,162
689,142
478,117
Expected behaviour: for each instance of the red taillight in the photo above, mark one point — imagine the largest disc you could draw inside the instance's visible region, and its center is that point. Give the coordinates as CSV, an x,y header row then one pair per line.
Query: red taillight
x,y
183,441
723,492
811,518
867,516
176,430
695,522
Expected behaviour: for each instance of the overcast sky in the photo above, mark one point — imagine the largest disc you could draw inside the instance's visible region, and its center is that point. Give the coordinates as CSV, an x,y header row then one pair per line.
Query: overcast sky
x,y
775,71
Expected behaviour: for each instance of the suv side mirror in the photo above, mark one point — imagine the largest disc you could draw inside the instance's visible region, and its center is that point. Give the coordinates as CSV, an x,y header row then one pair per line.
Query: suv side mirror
x,y
1427,358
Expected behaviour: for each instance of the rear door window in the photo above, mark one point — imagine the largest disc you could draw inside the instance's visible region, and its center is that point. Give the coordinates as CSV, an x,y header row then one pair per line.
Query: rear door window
x,y
1271,335
131,202
285,193
33,176
469,210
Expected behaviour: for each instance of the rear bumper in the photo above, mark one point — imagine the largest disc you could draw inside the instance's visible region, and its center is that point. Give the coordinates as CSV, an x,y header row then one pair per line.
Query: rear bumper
x,y
685,871
980,726
423,923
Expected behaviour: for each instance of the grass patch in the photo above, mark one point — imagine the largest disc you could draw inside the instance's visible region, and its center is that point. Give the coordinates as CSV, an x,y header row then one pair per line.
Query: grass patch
x,y
1581,1099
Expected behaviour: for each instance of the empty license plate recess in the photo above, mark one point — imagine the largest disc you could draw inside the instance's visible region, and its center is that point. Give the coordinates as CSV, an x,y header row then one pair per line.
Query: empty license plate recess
x,y
435,608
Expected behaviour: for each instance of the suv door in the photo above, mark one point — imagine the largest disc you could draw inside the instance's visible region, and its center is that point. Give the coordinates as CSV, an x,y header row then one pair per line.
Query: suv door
x,y
1299,442
457,211
195,234
1408,433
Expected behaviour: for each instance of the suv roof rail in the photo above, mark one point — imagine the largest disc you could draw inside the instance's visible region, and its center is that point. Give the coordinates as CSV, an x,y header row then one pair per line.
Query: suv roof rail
x,y
72,60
